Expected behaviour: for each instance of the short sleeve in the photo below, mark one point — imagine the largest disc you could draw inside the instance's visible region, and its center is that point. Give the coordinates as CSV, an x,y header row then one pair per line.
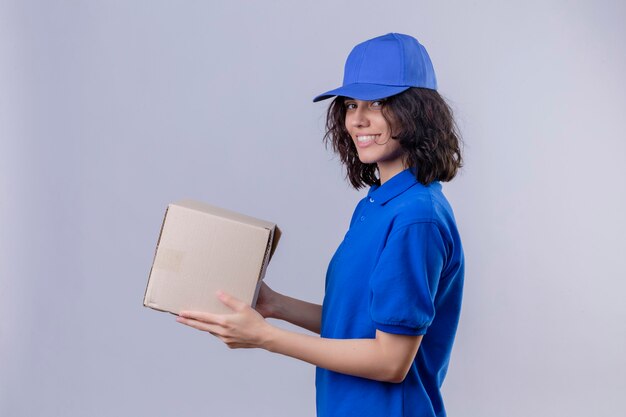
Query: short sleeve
x,y
404,282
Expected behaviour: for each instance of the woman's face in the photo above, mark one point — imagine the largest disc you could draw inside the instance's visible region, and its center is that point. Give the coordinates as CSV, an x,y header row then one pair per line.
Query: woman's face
x,y
371,134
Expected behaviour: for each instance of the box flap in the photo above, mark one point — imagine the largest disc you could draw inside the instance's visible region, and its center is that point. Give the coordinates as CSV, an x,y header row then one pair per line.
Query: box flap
x,y
276,237
221,212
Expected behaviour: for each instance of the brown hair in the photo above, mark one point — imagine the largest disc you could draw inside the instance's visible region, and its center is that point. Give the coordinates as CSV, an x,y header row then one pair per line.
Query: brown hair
x,y
423,123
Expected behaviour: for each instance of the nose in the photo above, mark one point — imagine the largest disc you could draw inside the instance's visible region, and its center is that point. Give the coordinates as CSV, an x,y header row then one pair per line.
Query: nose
x,y
359,116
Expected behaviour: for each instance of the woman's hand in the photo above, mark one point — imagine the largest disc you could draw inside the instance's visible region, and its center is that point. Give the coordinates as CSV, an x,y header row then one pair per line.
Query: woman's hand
x,y
243,328
267,301
272,304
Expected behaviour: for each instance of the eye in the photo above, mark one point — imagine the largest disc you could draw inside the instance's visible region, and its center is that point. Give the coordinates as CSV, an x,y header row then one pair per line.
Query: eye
x,y
377,104
350,105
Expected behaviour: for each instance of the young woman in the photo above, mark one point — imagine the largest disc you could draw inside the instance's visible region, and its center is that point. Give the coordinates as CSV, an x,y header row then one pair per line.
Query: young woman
x,y
394,285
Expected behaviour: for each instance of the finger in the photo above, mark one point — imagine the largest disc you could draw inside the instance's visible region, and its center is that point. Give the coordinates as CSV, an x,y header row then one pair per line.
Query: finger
x,y
214,329
230,301
204,317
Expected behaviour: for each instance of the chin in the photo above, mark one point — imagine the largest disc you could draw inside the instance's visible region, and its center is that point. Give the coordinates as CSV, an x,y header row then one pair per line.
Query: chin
x,y
365,160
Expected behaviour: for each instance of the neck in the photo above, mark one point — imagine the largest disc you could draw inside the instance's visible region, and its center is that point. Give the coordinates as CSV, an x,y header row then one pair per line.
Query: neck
x,y
388,170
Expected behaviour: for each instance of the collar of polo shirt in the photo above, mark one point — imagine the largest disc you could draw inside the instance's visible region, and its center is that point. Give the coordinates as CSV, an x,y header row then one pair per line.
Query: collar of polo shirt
x,y
394,186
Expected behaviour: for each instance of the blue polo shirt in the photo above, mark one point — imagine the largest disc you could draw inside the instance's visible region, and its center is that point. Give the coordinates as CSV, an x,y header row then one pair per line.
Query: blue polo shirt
x,y
399,269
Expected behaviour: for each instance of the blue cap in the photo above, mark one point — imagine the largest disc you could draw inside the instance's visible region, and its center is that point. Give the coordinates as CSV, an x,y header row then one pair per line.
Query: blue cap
x,y
385,66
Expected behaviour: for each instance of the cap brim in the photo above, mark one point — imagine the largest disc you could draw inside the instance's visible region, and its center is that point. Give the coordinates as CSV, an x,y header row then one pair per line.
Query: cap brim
x,y
363,91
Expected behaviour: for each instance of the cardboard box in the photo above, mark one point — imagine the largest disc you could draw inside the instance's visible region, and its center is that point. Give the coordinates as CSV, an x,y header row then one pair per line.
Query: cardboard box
x,y
203,248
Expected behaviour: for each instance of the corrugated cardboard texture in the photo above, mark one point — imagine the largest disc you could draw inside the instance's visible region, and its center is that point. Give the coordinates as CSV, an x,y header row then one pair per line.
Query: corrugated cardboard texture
x,y
203,248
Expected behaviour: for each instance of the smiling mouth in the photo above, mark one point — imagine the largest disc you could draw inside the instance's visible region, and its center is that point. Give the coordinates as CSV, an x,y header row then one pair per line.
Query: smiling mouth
x,y
366,138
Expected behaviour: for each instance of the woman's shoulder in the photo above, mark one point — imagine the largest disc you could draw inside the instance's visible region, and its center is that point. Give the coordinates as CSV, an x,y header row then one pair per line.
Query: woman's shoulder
x,y
421,204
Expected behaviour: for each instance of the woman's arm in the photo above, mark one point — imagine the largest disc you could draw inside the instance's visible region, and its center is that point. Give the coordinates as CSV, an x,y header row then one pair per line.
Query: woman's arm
x,y
387,358
272,304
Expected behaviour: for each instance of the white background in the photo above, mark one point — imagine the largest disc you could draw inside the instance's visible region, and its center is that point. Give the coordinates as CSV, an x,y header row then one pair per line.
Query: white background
x,y
109,110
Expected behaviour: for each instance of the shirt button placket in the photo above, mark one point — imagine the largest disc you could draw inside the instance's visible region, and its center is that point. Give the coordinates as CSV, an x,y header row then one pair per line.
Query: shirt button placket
x,y
371,200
